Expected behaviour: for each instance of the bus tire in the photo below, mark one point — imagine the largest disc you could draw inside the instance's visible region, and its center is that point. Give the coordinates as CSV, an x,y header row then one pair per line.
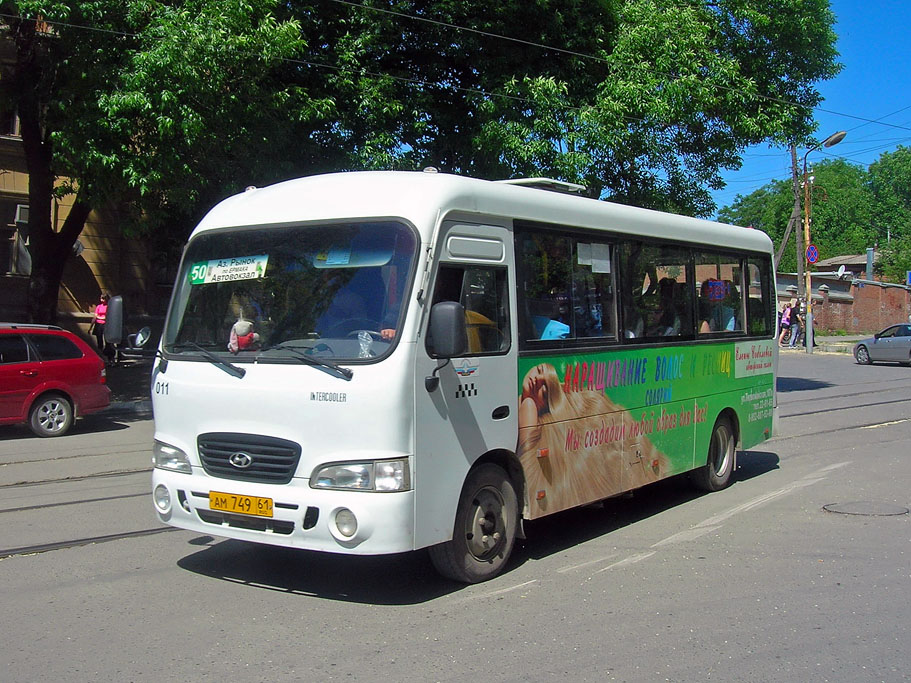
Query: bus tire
x,y
716,473
484,531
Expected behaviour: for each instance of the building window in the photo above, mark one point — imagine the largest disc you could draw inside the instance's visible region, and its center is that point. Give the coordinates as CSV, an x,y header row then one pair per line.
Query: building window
x,y
9,124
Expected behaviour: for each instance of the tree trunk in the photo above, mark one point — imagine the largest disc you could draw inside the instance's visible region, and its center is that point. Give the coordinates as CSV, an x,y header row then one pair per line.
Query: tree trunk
x,y
48,263
49,249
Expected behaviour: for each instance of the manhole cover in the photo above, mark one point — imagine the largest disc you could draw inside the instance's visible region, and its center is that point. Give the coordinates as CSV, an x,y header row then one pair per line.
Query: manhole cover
x,y
867,509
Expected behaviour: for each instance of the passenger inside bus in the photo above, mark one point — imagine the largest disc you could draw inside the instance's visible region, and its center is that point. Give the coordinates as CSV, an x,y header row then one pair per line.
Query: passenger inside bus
x,y
545,316
667,321
716,305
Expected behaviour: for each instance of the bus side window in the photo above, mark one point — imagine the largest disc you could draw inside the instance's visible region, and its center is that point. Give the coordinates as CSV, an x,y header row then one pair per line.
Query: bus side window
x,y
655,291
760,306
482,291
720,304
567,287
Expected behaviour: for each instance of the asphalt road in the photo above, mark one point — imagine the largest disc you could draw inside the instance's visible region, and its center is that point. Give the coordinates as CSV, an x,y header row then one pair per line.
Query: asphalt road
x,y
754,583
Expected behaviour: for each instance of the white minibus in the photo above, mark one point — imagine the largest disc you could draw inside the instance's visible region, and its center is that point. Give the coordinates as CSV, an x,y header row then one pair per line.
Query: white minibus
x,y
379,362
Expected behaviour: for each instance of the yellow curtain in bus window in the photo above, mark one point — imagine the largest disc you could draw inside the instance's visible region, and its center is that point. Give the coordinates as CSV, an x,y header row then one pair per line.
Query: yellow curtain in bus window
x,y
228,269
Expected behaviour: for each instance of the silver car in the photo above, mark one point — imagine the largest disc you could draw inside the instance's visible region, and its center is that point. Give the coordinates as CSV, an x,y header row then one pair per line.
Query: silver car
x,y
892,345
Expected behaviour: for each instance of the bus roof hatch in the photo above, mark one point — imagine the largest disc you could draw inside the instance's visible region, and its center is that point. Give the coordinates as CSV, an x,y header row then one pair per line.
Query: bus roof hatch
x,y
546,184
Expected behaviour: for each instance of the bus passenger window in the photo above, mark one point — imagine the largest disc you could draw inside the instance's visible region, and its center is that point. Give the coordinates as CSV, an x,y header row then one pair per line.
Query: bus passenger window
x,y
567,288
655,291
720,306
760,306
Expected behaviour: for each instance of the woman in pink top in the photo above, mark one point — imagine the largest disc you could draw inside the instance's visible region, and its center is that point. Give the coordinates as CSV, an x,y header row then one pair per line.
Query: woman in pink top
x,y
101,314
785,323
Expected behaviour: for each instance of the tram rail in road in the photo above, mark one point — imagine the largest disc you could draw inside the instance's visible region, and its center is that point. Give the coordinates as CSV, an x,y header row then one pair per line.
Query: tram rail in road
x,y
60,545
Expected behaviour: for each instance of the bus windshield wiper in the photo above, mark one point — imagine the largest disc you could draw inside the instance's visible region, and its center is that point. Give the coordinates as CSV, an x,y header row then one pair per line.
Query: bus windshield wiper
x,y
227,366
347,373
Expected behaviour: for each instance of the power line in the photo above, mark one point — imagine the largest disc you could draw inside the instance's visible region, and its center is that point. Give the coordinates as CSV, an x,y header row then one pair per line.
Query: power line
x,y
489,94
499,37
768,98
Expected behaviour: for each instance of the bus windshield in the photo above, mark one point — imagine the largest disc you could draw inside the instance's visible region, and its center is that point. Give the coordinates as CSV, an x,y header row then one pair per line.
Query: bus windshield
x,y
271,294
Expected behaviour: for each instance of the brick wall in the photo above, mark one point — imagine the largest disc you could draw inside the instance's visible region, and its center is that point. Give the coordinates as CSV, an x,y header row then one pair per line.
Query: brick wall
x,y
872,307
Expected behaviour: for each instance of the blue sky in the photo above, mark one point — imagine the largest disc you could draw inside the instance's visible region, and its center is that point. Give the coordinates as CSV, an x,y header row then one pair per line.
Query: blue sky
x,y
874,42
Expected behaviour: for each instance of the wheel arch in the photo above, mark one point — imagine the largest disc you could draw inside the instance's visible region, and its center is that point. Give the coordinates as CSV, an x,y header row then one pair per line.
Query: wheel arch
x,y
51,390
508,461
734,420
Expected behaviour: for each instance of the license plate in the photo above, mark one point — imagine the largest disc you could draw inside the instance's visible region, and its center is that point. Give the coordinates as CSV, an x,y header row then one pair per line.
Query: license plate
x,y
244,505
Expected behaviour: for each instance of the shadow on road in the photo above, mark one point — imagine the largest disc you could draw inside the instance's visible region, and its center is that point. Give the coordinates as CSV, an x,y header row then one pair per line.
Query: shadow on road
x,y
96,423
409,578
787,384
403,579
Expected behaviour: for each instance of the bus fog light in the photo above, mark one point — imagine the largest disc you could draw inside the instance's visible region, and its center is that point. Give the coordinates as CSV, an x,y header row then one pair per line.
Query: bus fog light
x,y
162,498
346,522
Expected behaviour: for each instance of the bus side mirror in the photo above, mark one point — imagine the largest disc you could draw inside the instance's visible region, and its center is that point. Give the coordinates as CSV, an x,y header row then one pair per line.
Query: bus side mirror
x,y
113,326
448,336
448,331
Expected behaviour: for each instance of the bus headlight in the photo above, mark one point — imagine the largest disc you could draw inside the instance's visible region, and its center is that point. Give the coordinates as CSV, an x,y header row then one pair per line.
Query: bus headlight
x,y
167,457
382,475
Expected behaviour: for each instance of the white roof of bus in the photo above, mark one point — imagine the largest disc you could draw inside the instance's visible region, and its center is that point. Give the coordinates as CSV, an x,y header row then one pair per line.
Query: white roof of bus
x,y
422,198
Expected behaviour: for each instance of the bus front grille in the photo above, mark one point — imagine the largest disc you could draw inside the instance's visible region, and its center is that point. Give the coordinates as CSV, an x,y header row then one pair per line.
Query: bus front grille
x,y
248,457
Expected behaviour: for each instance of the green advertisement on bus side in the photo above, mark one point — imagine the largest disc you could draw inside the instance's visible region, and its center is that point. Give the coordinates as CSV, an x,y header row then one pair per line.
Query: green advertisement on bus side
x,y
594,424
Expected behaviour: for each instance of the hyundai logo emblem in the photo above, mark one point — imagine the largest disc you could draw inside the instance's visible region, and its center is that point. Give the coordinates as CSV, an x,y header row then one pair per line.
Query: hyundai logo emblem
x,y
240,460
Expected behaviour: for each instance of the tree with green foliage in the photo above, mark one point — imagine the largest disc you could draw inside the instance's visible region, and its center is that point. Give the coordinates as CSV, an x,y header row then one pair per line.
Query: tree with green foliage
x,y
841,211
852,209
890,180
169,105
126,102
644,102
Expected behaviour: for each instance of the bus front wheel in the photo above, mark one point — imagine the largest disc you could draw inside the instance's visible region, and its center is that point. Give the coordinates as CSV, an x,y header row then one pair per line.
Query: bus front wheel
x,y
485,528
716,474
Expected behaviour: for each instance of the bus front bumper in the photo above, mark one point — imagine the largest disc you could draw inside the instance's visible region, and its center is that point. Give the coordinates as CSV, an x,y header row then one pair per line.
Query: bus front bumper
x,y
296,516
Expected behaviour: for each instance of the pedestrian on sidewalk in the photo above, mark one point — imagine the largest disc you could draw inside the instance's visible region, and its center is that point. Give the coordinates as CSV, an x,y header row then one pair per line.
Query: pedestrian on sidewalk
x,y
796,327
785,323
98,323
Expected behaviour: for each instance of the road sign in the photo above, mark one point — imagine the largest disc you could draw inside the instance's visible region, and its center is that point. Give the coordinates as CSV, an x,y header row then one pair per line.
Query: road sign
x,y
908,278
812,254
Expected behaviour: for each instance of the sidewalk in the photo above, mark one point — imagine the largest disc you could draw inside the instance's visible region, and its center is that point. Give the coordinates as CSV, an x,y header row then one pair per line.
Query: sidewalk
x,y
826,344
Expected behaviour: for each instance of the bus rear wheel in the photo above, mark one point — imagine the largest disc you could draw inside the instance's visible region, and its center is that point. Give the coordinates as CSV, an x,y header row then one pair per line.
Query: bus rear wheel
x,y
485,528
716,474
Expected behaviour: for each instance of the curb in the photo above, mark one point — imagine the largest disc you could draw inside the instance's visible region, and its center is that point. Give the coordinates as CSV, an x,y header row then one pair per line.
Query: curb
x,y
822,348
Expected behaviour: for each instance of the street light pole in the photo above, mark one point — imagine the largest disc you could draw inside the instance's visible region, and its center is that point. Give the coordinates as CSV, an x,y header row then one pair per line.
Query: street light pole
x,y
830,141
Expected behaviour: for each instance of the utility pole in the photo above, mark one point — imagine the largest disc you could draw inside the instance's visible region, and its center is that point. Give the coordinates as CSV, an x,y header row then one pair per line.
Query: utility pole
x,y
801,246
795,217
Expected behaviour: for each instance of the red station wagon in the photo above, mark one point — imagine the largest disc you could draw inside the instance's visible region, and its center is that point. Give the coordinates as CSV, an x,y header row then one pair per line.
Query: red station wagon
x,y
48,377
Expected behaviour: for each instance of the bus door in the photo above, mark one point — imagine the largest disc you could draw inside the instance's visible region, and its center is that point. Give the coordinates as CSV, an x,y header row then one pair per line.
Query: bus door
x,y
473,409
